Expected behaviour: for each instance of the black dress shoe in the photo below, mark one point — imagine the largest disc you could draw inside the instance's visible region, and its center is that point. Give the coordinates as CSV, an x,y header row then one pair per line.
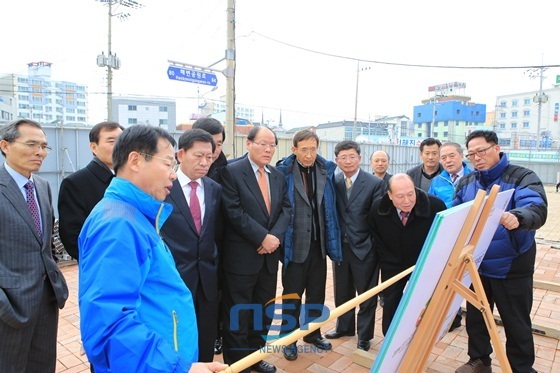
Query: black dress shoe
x,y
335,335
290,352
456,321
364,345
218,346
264,367
319,342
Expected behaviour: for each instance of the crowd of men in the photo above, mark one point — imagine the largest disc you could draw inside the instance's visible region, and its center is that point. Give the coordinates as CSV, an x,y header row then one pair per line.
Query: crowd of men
x,y
179,249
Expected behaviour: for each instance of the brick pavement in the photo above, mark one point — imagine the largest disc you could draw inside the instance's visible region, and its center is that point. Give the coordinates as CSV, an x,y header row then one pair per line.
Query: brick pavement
x,y
446,356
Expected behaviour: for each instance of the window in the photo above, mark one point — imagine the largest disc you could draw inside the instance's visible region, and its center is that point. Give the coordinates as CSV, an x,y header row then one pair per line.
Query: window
x,y
502,125
525,124
527,101
131,108
435,124
526,113
477,113
70,118
80,103
458,111
23,89
81,111
23,97
162,121
419,134
70,110
81,119
419,125
446,123
514,114
22,80
456,123
48,101
132,120
445,134
503,104
419,115
513,125
514,103
502,115
80,95
48,109
163,109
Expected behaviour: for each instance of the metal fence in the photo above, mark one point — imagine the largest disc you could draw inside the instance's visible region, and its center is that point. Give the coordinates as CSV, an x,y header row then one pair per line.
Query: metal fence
x,y
71,152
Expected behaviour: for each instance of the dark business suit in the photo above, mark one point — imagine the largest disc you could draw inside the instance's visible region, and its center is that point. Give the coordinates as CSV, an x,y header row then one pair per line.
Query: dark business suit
x,y
196,258
32,287
79,193
359,270
249,277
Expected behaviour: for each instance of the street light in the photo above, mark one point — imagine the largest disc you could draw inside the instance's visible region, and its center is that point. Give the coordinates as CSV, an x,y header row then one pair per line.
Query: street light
x,y
356,100
539,98
200,107
111,61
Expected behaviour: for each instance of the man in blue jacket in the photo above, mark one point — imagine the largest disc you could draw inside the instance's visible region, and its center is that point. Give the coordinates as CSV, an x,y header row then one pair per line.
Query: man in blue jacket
x,y
137,314
443,185
312,234
507,269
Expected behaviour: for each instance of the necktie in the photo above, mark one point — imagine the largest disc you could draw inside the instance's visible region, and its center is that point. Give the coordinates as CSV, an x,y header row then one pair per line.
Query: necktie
x,y
33,207
454,178
404,217
195,206
348,183
263,185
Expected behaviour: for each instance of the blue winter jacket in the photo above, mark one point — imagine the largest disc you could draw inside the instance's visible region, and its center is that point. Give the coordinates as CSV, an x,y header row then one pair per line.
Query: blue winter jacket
x,y
331,234
442,186
136,313
511,253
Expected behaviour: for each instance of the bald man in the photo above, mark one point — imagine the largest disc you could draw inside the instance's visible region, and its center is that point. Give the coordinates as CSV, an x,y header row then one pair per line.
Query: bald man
x,y
400,222
379,162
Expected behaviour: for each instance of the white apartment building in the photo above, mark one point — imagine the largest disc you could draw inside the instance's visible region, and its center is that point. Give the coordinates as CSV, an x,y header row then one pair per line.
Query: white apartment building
x,y
155,112
517,119
38,97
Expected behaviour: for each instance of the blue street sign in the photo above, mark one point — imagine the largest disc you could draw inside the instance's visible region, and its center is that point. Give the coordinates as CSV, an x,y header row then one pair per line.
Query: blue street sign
x,y
192,76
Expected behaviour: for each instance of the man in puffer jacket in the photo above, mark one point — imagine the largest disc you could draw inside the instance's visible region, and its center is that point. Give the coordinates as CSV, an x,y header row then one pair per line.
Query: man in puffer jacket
x,y
507,268
313,232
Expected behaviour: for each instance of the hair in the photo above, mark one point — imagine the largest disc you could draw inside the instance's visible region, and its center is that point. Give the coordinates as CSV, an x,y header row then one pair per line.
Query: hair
x,y
457,146
398,177
210,125
346,145
305,135
103,126
138,138
489,136
255,131
10,132
429,142
387,154
189,137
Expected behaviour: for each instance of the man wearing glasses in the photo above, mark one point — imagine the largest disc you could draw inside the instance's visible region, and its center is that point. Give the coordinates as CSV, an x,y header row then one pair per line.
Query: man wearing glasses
x,y
136,313
32,288
257,213
507,268
313,233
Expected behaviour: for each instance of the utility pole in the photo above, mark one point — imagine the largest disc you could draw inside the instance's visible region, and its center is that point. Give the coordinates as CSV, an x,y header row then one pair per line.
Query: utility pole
x,y
109,67
354,132
229,145
540,98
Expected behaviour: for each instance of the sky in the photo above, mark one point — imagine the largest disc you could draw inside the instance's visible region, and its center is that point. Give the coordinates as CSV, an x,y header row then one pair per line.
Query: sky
x,y
298,57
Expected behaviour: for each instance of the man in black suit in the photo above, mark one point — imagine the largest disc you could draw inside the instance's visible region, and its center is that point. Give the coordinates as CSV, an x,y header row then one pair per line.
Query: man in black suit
x,y
80,191
32,288
356,191
189,232
257,212
400,222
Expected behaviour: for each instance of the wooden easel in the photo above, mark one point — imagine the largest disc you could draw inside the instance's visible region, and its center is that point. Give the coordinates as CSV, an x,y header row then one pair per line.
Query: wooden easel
x,y
460,261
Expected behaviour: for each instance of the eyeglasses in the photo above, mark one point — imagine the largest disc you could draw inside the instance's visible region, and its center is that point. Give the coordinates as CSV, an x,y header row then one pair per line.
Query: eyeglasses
x,y
265,145
308,151
172,162
35,145
344,158
479,153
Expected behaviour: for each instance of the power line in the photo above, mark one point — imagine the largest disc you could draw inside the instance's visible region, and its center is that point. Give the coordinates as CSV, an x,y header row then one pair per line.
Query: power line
x,y
398,63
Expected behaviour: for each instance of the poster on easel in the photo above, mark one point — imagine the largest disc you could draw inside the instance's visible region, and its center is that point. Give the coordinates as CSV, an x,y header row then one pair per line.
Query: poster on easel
x,y
431,263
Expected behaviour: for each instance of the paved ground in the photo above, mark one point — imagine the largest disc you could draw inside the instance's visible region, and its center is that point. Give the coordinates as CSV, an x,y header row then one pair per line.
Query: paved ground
x,y
447,354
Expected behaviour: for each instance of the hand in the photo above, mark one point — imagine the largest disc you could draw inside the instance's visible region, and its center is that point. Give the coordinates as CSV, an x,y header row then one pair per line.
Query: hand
x,y
269,244
509,221
207,367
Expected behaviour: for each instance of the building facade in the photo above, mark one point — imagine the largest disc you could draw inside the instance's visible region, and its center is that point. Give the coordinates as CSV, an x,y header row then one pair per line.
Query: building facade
x,y
38,97
517,119
155,112
448,118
